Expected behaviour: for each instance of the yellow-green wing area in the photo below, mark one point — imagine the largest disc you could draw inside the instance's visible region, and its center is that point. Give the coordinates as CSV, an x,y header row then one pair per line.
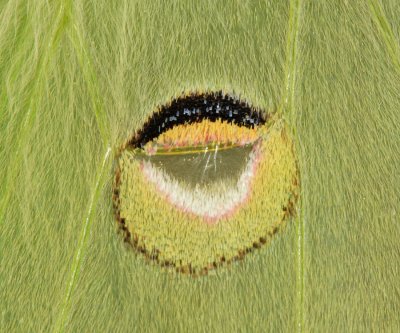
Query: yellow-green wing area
x,y
77,78
347,109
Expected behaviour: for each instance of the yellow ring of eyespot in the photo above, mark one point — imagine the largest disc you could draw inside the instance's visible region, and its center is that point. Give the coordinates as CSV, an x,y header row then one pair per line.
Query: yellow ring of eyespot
x,y
171,237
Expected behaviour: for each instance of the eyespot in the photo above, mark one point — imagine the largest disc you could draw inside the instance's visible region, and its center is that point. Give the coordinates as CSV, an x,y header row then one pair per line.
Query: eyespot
x,y
207,179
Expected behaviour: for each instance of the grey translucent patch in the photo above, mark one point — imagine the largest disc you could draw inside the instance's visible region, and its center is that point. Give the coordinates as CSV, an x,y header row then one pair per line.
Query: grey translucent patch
x,y
204,167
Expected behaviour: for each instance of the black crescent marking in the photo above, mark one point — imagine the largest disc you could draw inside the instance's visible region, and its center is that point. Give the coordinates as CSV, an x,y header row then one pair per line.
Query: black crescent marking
x,y
195,108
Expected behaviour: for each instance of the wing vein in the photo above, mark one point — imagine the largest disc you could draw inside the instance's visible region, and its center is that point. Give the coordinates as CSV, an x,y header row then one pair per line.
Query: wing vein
x,y
75,268
53,38
287,106
385,30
